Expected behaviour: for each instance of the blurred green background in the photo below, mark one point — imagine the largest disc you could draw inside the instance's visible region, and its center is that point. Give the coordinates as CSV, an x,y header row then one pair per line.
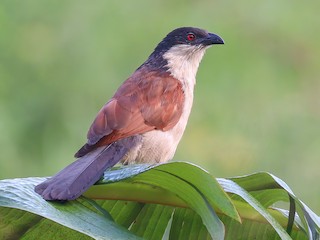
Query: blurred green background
x,y
257,98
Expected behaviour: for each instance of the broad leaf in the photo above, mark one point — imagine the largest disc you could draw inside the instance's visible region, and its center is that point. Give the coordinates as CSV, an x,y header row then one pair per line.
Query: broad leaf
x,y
175,201
19,194
265,181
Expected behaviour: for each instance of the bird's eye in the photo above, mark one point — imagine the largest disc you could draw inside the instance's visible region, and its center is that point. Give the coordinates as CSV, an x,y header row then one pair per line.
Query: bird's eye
x,y
191,37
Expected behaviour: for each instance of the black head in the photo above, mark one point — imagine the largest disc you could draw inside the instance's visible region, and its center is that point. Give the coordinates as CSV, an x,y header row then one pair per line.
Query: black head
x,y
188,36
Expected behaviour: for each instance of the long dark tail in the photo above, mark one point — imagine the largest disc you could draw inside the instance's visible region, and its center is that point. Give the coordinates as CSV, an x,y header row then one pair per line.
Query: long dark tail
x,y
72,181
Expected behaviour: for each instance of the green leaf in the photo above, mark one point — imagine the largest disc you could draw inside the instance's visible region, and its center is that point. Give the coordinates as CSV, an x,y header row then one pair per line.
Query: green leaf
x,y
262,181
205,183
234,188
187,193
186,224
198,189
313,222
123,212
190,173
19,194
152,221
172,201
18,224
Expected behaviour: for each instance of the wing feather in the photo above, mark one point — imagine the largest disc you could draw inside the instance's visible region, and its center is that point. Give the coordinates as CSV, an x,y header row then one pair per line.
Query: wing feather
x,y
144,102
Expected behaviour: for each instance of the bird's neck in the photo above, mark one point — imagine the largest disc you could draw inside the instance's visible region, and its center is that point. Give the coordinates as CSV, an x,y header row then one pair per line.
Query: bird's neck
x,y
183,62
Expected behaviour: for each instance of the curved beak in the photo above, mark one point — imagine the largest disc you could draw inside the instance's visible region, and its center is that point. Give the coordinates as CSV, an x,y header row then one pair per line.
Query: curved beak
x,y
213,39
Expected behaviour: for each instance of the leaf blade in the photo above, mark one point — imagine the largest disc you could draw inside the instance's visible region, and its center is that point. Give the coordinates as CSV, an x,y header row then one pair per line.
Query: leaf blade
x,y
19,194
233,187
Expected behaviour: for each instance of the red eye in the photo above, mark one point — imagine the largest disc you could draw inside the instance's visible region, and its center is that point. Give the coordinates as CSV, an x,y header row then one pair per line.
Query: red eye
x,y
191,37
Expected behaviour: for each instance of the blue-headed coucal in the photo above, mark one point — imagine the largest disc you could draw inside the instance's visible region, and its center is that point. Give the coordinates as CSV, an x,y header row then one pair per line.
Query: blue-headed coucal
x,y
145,119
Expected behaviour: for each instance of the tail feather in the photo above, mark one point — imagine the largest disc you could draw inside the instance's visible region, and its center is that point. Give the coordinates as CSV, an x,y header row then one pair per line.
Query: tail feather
x,y
75,179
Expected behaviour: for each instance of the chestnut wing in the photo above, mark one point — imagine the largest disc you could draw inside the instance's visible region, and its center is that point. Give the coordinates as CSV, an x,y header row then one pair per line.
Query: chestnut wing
x,y
146,101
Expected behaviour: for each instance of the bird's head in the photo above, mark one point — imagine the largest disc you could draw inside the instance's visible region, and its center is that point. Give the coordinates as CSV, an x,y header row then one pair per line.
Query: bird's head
x,y
188,37
181,51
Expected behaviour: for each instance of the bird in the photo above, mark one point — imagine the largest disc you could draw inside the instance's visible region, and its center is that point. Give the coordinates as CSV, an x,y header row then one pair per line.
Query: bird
x,y
144,120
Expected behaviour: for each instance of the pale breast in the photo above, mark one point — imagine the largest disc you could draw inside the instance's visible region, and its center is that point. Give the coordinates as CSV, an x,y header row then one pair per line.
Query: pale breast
x,y
160,146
